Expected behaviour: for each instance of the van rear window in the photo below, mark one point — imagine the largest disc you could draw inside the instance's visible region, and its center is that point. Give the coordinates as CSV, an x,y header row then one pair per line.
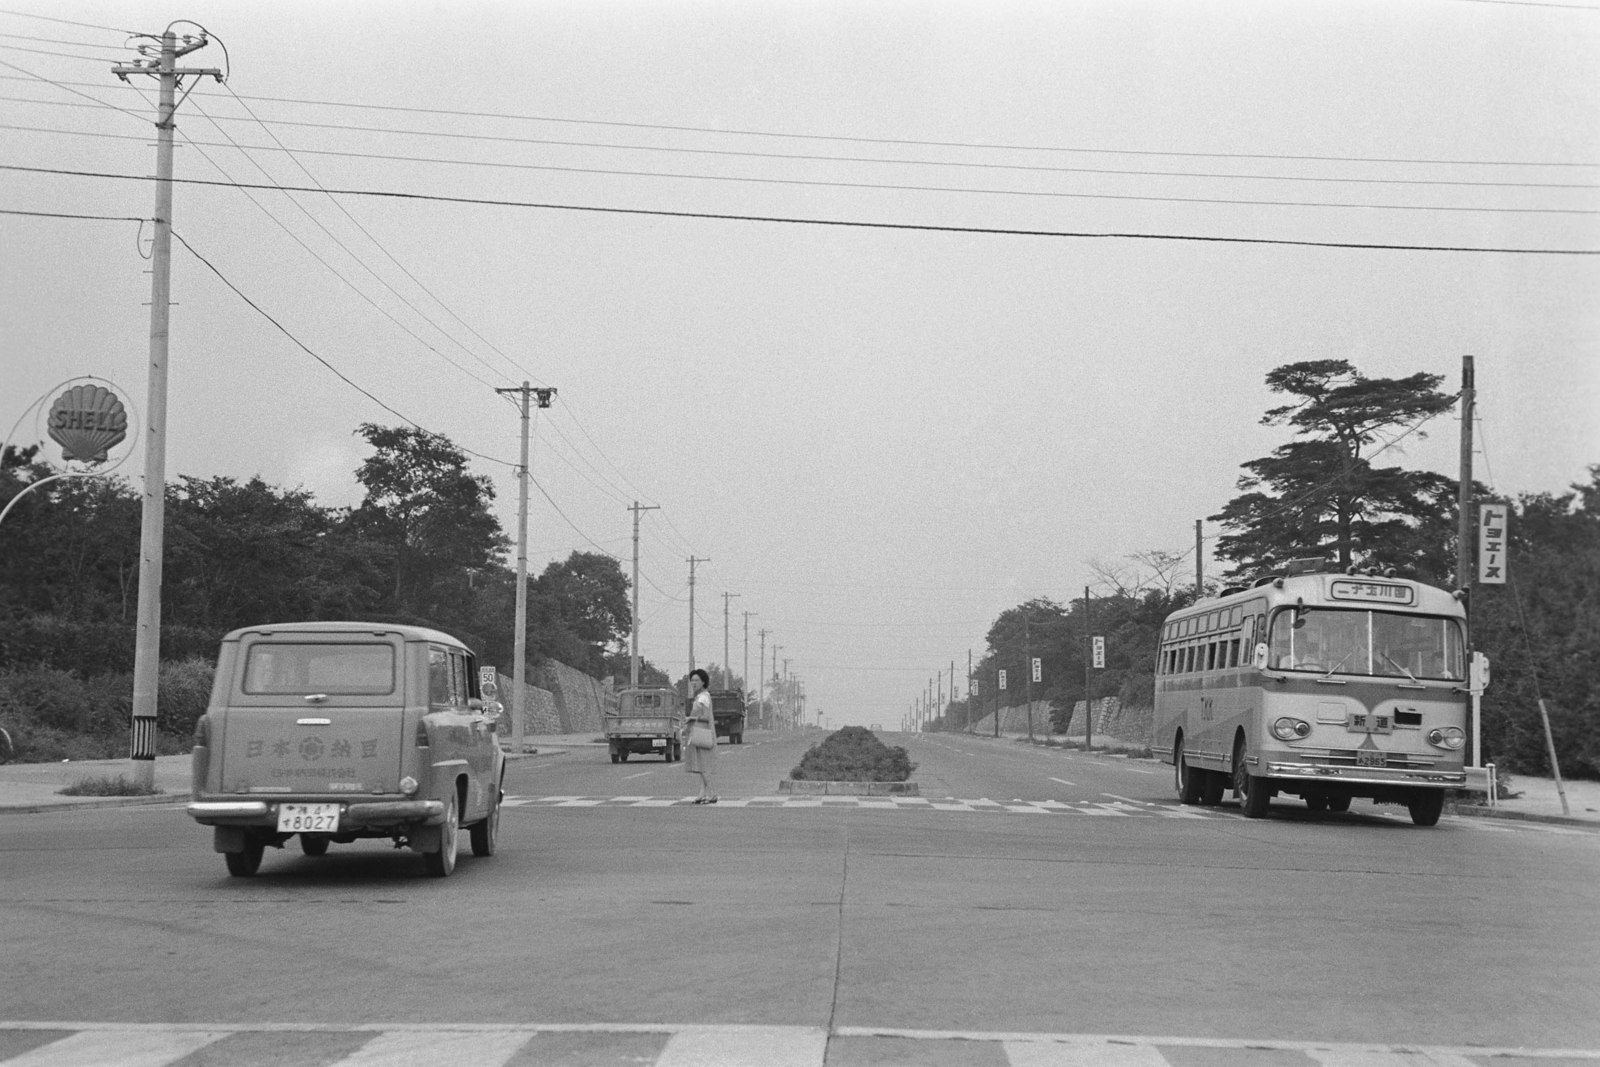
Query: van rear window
x,y
365,669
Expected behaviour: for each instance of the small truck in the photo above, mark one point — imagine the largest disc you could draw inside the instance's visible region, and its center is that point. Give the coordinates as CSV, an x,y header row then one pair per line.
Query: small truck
x,y
727,706
648,720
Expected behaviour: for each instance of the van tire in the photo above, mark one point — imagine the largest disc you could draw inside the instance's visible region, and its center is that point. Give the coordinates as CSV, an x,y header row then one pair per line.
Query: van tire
x,y
314,844
246,862
442,863
486,834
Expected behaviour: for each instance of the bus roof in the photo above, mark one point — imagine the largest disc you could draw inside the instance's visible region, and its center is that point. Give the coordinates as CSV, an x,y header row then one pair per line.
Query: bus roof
x,y
1337,589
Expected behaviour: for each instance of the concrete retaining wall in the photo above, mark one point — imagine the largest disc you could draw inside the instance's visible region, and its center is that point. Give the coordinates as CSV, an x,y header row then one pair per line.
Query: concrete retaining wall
x,y
560,700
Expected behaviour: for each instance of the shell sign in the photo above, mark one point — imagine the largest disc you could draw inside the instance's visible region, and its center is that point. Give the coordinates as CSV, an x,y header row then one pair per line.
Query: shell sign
x,y
87,421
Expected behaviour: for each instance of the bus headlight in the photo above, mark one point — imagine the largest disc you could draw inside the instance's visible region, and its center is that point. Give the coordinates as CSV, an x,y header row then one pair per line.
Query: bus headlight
x,y
1287,729
1447,737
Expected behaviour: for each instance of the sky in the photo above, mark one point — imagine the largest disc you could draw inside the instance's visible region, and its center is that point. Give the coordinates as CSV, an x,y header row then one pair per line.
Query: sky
x,y
902,314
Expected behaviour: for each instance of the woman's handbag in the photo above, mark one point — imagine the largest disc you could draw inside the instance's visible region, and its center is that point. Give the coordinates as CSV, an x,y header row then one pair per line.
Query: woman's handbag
x,y
701,735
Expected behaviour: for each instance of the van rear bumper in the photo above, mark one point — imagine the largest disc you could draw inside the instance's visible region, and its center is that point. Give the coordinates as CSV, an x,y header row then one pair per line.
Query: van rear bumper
x,y
351,816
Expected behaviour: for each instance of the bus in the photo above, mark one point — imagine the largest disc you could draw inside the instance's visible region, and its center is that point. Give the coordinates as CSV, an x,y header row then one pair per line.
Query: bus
x,y
1322,685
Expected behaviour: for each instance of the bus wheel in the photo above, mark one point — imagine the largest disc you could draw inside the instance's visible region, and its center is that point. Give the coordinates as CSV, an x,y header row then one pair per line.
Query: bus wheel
x,y
1185,779
1254,793
1426,806
1338,803
1213,785
1317,801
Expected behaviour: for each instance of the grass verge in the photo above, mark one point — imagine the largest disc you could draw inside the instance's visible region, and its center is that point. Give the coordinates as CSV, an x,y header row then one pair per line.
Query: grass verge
x,y
107,786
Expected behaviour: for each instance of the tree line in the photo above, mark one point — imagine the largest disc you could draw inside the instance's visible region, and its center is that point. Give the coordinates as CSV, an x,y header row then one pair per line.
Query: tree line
x,y
1326,494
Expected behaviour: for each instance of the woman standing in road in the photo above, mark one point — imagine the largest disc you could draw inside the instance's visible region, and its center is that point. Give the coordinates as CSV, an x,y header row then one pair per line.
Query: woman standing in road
x,y
700,760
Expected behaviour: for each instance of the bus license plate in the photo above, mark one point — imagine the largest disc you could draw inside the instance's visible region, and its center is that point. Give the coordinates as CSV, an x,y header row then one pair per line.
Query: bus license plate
x,y
312,818
1371,759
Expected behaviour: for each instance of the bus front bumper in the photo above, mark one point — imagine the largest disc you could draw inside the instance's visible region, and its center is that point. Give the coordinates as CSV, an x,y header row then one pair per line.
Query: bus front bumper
x,y
1320,772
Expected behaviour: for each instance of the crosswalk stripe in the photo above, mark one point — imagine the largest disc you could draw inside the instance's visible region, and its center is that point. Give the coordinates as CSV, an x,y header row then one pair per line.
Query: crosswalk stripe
x,y
746,1046
413,1049
1099,1054
118,1048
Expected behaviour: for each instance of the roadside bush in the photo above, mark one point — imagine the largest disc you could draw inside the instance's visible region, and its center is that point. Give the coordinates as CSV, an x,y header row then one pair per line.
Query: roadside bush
x,y
54,715
853,754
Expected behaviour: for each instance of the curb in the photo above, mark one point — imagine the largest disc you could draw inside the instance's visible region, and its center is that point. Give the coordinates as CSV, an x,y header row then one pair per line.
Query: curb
x,y
1479,811
28,807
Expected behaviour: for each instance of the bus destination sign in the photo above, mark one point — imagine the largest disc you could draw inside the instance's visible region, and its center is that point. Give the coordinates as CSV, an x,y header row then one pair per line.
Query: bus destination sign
x,y
1371,592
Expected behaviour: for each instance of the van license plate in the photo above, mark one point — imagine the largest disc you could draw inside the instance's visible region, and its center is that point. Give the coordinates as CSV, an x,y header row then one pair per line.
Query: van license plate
x,y
1371,759
302,818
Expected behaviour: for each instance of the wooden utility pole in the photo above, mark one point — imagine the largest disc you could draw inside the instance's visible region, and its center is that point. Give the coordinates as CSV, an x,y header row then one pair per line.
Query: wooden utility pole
x,y
519,637
692,562
746,676
1464,516
727,671
633,640
1088,663
152,516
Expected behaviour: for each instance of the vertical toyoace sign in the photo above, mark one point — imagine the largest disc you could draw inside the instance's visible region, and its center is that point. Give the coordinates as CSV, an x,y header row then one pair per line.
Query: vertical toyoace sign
x,y
1100,653
1492,519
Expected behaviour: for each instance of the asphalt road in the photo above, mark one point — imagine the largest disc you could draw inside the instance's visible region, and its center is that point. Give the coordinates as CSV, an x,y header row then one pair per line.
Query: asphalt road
x,y
1068,894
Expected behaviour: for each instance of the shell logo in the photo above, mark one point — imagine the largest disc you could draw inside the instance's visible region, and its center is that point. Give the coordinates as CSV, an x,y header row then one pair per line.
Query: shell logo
x,y
87,421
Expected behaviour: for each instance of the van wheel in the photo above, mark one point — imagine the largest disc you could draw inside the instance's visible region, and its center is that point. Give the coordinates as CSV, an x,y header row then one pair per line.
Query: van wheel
x,y
314,844
1426,806
442,862
246,863
1185,779
486,834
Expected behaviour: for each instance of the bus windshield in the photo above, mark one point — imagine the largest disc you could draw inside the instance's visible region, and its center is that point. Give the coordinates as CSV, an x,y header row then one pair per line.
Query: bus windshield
x,y
1379,643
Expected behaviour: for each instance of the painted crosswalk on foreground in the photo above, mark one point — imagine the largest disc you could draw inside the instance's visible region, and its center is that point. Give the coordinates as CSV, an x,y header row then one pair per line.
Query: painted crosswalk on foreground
x,y
41,1044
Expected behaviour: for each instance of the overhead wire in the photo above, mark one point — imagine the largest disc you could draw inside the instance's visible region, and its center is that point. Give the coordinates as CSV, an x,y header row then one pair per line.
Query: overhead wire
x,y
68,22
813,157
847,223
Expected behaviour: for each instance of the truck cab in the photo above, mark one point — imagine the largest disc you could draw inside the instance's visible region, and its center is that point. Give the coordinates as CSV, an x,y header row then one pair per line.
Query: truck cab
x,y
727,706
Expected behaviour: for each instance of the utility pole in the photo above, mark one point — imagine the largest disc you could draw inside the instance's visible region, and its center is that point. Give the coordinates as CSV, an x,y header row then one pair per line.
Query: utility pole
x,y
1464,517
1088,661
1199,565
633,641
1027,669
761,674
152,516
747,615
969,690
692,561
777,709
519,651
727,670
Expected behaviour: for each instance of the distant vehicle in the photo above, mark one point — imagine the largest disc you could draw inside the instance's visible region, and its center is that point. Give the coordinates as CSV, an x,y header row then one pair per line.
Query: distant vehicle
x,y
649,721
1328,686
334,731
727,706
877,726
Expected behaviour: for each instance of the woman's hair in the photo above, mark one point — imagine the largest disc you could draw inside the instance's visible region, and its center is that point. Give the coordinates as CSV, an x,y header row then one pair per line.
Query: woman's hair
x,y
705,679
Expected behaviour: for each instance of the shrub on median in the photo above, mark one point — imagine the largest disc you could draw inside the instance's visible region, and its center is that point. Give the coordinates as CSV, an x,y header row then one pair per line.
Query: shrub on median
x,y
853,754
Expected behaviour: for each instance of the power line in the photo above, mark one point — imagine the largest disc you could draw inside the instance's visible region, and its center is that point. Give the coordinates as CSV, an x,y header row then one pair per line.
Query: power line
x,y
66,215
920,143
69,22
891,186
1174,153
796,156
917,227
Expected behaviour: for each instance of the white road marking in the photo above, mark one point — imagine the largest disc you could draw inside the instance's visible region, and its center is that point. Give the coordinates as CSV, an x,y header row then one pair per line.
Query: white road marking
x,y
125,1048
641,774
1098,1054
413,1049
1063,781
742,1046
